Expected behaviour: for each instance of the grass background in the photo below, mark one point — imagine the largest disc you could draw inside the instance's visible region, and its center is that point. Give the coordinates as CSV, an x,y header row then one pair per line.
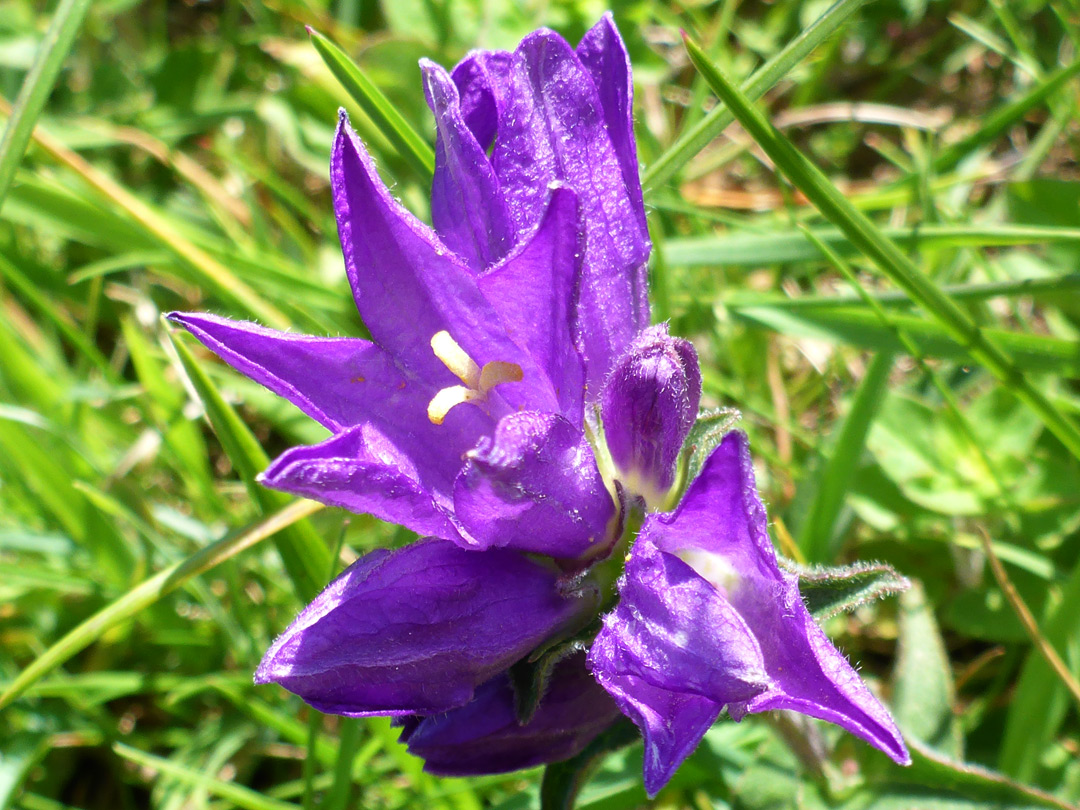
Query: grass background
x,y
180,162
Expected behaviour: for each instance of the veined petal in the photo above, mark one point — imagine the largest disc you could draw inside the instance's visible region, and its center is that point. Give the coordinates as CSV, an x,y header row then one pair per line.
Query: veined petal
x,y
603,53
409,287
813,677
483,81
673,653
467,208
415,631
534,487
720,530
671,723
484,736
535,293
343,382
363,471
553,127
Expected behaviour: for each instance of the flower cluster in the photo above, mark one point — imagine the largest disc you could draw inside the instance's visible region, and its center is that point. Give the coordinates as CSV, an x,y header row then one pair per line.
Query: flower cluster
x,y
513,407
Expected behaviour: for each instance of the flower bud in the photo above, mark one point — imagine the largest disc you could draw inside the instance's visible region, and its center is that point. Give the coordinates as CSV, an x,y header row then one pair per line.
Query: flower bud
x,y
648,406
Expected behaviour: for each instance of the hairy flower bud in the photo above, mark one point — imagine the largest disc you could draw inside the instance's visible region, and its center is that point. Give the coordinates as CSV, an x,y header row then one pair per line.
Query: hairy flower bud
x,y
648,406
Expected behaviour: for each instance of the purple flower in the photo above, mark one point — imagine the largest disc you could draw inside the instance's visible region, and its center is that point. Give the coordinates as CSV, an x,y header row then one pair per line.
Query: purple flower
x,y
485,736
512,405
464,417
708,621
416,630
648,406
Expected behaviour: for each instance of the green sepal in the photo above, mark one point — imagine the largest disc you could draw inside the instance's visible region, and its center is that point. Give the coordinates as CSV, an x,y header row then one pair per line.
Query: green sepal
x,y
705,436
830,591
564,780
530,676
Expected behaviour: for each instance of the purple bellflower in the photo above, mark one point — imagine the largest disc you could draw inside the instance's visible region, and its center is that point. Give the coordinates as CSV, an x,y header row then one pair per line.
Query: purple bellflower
x,y
512,406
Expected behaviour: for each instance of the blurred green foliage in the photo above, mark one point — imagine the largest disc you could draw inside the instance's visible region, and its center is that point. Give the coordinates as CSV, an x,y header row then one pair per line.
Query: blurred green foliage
x,y
182,165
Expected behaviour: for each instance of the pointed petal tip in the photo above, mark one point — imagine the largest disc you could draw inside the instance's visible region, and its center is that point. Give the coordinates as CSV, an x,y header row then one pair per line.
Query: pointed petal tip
x,y
311,31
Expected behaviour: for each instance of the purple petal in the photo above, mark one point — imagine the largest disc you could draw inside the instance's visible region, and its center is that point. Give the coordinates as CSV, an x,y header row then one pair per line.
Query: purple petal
x,y
648,406
671,723
415,631
467,208
720,529
484,736
553,127
673,653
534,291
363,471
534,487
603,53
323,376
483,80
408,286
341,382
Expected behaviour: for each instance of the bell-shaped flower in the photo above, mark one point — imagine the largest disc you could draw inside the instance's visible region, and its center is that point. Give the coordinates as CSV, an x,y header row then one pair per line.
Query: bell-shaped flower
x,y
648,405
415,631
707,620
517,303
485,736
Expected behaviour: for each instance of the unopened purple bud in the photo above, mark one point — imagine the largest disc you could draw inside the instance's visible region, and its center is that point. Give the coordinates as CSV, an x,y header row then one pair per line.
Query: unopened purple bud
x,y
648,406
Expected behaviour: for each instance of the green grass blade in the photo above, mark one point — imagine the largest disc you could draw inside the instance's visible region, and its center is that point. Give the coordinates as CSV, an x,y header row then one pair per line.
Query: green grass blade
x,y
1043,288
1040,692
304,554
756,249
65,24
864,329
690,143
865,235
233,793
817,535
150,591
378,107
995,124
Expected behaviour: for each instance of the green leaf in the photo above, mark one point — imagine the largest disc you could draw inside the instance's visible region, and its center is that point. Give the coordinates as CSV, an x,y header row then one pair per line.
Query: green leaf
x,y
997,122
924,695
150,591
378,107
58,39
690,143
564,780
865,235
865,330
1040,692
817,535
936,782
303,552
705,436
233,793
830,591
780,247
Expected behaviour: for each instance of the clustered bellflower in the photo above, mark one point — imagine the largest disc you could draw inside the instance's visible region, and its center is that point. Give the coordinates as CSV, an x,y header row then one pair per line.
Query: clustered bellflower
x,y
512,407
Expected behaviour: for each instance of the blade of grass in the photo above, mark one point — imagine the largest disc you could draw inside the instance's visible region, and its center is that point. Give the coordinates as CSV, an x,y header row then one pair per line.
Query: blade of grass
x,y
150,591
817,535
350,733
1035,287
1027,619
859,327
378,107
994,124
230,791
755,249
764,78
302,550
864,234
65,24
215,274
